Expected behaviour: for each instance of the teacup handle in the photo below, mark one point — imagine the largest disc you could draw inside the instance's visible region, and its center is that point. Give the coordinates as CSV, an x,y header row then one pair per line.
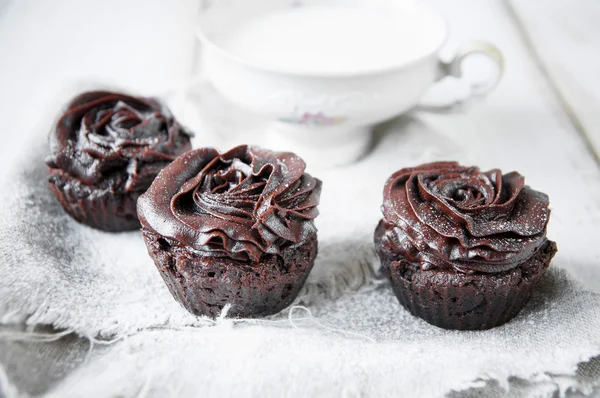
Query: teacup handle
x,y
454,68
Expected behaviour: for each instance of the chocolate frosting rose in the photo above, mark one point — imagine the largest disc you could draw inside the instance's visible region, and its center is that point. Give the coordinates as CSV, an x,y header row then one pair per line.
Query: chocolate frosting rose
x,y
241,204
115,139
446,215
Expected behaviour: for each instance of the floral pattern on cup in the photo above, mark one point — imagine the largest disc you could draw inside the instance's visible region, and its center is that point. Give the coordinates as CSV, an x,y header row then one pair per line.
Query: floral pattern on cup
x,y
314,119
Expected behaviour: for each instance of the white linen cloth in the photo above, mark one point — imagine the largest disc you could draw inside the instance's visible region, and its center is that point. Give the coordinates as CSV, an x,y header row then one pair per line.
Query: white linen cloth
x,y
346,336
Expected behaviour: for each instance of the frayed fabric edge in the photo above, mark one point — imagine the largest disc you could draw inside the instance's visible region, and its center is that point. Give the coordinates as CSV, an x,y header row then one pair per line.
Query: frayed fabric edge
x,y
358,276
552,384
362,276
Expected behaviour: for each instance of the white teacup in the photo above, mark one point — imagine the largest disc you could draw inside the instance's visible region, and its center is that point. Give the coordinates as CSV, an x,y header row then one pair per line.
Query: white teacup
x,y
326,71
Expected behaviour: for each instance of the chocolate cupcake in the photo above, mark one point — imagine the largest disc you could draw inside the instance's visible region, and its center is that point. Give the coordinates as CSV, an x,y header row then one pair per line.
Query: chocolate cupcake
x,y
463,249
232,228
106,149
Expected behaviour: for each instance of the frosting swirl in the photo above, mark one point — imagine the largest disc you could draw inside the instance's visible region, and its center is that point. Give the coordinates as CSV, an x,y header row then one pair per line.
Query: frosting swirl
x,y
243,203
446,215
116,140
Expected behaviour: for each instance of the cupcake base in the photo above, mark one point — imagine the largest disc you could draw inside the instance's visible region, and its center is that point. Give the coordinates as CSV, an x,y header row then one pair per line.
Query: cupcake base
x,y
204,285
96,207
454,300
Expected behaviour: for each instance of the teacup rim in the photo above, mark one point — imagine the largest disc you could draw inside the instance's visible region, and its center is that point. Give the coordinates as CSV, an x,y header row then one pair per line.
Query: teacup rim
x,y
329,74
